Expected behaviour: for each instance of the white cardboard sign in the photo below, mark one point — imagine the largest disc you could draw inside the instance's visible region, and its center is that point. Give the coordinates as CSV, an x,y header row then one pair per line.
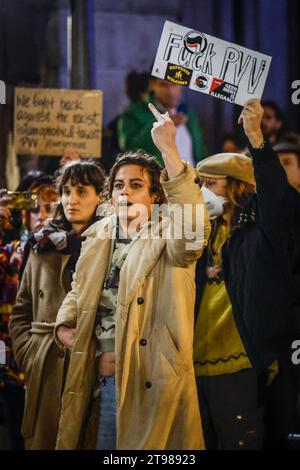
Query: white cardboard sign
x,y
210,65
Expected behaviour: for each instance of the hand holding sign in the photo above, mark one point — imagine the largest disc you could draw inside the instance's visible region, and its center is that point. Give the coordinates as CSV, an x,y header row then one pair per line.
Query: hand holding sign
x,y
251,117
164,137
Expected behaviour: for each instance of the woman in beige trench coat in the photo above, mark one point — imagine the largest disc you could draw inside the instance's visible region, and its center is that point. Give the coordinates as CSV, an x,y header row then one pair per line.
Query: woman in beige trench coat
x,y
45,283
152,360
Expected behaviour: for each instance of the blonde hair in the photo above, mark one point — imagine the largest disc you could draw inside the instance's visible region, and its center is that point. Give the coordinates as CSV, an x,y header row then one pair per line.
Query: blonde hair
x,y
47,193
238,192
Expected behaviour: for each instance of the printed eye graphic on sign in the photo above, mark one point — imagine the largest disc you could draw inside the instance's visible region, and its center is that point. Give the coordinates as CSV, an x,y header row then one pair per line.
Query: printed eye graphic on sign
x,y
210,65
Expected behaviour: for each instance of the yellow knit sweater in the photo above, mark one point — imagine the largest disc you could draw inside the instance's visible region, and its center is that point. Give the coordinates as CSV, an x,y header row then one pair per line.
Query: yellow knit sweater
x,y
218,348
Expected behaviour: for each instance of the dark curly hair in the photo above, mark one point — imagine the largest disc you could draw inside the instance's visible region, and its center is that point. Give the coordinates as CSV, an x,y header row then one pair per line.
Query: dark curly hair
x,y
145,161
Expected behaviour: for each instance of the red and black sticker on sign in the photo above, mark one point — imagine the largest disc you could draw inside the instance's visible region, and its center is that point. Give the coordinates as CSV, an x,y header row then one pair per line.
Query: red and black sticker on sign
x,y
177,74
225,91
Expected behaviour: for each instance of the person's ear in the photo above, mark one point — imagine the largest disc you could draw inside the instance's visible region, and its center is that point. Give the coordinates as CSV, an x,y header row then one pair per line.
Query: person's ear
x,y
99,199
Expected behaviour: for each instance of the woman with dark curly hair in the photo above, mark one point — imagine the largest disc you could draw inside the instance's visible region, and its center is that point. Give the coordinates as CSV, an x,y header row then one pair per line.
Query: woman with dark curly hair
x,y
131,382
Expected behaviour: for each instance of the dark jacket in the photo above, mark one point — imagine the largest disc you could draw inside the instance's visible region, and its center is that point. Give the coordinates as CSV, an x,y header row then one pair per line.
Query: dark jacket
x,y
261,265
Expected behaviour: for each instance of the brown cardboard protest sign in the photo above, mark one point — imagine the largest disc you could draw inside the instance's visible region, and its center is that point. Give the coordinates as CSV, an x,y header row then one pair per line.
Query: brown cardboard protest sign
x,y
47,121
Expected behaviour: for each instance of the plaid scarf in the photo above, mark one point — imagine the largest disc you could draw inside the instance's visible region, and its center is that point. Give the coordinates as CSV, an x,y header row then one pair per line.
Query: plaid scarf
x,y
49,239
53,240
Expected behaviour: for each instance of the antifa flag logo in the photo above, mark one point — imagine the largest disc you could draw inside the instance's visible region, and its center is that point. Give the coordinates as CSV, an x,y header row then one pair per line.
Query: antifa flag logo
x,y
195,42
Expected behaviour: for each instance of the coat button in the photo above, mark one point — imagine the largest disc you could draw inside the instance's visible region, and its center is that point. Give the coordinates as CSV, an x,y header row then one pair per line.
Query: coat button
x,y
140,300
41,293
143,342
148,384
62,354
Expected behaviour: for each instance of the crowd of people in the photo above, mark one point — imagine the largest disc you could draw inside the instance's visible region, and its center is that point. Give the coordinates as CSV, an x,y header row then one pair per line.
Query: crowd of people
x,y
130,327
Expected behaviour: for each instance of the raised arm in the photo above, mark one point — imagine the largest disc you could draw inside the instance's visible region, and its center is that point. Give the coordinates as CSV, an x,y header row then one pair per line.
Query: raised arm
x,y
273,190
164,137
189,222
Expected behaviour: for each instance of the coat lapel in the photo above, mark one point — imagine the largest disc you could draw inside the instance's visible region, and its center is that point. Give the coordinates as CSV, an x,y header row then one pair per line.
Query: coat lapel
x,y
64,277
93,263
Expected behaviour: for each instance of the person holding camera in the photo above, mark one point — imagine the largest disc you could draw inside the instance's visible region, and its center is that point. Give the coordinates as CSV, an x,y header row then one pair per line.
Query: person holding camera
x,y
20,213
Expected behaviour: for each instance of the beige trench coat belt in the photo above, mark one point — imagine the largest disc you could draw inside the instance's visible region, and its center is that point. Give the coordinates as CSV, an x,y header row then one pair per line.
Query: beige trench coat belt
x,y
46,330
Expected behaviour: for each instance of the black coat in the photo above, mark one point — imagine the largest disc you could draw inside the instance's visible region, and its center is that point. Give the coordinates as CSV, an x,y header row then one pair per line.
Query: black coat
x,y
261,264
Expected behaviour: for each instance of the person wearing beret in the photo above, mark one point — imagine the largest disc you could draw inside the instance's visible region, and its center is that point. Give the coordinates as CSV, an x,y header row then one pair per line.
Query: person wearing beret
x,y
244,283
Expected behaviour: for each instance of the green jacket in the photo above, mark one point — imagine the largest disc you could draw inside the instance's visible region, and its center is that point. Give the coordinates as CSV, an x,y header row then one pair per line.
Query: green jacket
x,y
134,130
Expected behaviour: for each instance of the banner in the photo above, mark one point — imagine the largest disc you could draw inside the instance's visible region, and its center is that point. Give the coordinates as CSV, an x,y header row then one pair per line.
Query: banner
x,y
210,65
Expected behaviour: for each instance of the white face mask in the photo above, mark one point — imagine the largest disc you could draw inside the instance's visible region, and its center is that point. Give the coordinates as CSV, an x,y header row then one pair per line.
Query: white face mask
x,y
214,204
